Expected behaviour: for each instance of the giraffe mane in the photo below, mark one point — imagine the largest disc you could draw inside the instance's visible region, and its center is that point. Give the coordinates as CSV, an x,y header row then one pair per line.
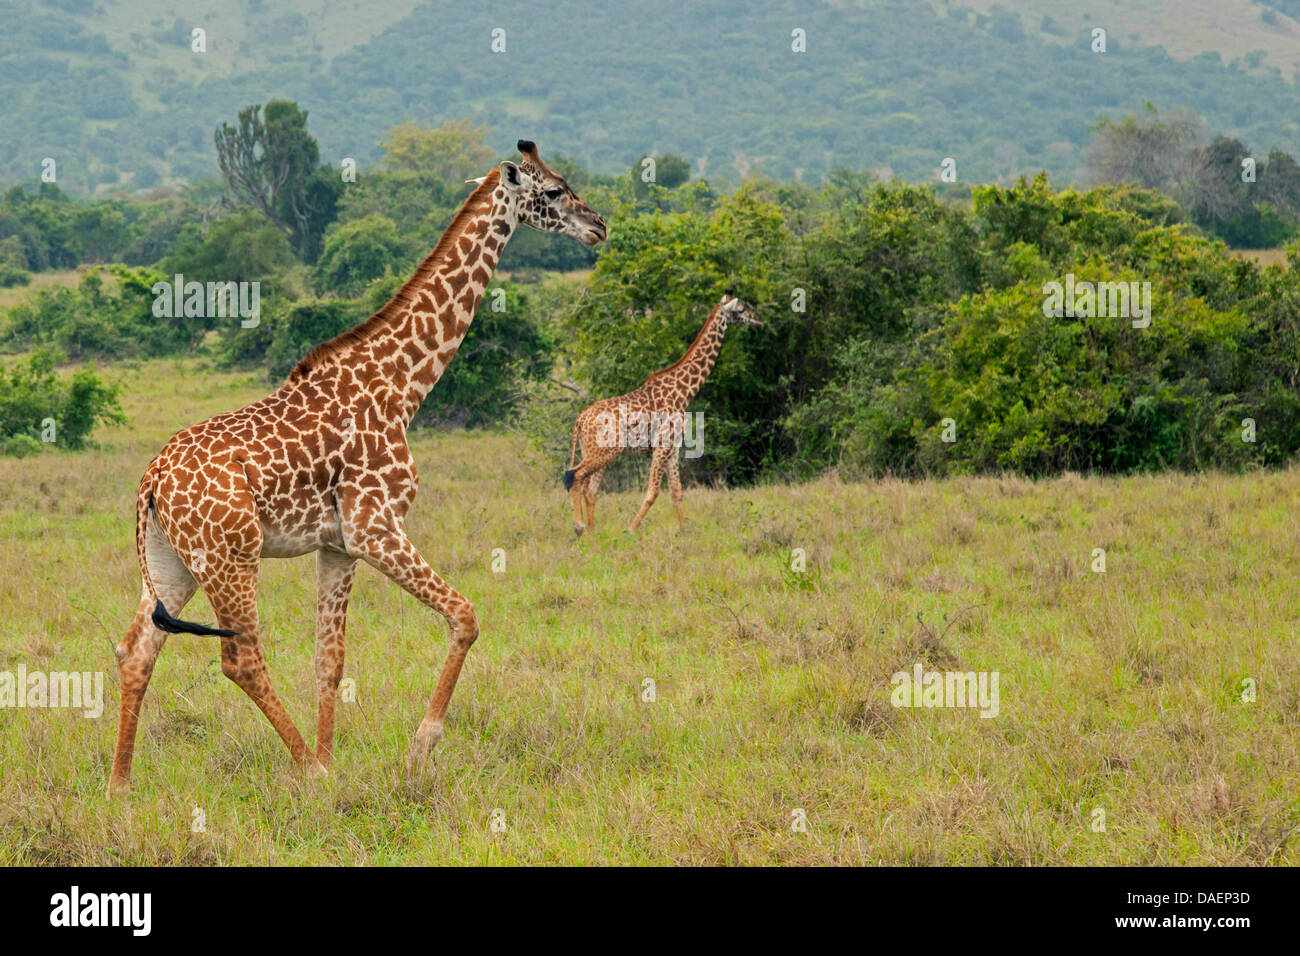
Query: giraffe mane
x,y
477,201
687,354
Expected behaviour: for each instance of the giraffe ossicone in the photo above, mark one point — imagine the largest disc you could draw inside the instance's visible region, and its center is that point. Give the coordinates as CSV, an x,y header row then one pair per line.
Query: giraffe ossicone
x,y
322,465
652,416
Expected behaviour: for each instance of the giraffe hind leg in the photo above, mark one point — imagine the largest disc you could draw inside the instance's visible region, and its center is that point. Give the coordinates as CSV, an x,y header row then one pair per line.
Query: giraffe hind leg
x,y
589,497
224,557
575,492
334,574
234,597
173,587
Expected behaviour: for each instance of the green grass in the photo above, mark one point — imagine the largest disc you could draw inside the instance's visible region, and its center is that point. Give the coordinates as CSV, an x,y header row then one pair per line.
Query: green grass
x,y
1119,691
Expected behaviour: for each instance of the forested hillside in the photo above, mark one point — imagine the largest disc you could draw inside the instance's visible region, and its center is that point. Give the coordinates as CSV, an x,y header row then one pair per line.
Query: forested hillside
x,y
118,96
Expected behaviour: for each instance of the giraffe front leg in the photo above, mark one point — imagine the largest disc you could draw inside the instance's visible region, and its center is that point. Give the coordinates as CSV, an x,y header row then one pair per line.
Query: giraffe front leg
x,y
334,576
675,486
657,465
387,548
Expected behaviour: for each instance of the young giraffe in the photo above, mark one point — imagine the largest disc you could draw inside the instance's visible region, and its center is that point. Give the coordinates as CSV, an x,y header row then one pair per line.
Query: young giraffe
x,y
652,415
323,465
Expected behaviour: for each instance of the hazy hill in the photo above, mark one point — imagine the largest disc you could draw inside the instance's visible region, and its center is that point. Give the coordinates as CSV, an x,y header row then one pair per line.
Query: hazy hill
x,y
115,94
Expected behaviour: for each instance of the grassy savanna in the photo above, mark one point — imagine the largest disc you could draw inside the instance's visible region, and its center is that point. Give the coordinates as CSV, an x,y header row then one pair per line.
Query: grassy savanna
x,y
1118,690
68,278
1232,28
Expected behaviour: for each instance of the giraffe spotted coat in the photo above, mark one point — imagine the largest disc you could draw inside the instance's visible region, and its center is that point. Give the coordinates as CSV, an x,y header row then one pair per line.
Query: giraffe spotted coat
x,y
652,416
322,465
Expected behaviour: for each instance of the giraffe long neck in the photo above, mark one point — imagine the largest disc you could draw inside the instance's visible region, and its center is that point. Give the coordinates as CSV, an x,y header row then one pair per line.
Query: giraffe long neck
x,y
687,375
401,352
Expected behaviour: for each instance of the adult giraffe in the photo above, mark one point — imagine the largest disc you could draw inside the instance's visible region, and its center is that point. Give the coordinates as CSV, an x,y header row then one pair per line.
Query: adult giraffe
x,y
322,465
651,416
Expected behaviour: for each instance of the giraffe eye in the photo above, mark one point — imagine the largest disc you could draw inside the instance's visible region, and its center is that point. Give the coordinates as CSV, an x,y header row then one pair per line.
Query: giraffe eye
x,y
553,193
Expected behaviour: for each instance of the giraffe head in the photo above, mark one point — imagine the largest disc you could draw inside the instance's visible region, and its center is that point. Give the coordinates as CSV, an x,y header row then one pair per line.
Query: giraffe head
x,y
731,311
546,202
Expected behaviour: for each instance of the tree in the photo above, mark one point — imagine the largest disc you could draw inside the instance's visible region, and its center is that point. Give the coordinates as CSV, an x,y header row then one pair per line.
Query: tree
x,y
454,152
1256,214
269,162
670,171
1217,193
358,251
1279,182
239,248
1149,150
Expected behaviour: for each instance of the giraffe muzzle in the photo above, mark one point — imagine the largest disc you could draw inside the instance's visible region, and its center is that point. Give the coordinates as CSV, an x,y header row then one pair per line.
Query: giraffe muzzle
x,y
596,233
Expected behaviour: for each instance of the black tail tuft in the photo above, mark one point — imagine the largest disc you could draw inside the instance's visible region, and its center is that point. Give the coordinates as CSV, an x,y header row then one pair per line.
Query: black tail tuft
x,y
165,622
568,478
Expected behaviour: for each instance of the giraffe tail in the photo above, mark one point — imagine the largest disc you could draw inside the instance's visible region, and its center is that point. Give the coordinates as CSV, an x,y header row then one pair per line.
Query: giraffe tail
x,y
573,451
165,622
143,502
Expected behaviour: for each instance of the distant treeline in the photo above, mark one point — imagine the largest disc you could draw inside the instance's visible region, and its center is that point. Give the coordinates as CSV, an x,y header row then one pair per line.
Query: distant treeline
x,y
910,329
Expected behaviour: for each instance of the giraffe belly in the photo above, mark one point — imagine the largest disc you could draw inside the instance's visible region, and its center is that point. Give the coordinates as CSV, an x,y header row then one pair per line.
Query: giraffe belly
x,y
324,532
281,544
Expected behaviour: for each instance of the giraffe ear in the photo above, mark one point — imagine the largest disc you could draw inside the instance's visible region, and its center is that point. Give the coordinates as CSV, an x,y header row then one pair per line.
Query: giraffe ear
x,y
510,175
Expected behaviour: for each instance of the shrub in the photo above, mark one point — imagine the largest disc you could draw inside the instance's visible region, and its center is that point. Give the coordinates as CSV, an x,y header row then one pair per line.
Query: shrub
x,y
501,351
358,252
19,446
109,319
11,275
31,394
1037,394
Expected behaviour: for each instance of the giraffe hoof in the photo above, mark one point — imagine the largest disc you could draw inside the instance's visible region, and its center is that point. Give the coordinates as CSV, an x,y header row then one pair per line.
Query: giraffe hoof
x,y
416,764
118,788
317,771
426,738
577,530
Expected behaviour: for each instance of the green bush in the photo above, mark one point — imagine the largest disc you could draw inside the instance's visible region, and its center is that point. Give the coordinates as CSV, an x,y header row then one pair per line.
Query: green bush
x,y
358,252
108,319
305,325
37,405
501,352
1038,394
11,275
19,446
242,247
